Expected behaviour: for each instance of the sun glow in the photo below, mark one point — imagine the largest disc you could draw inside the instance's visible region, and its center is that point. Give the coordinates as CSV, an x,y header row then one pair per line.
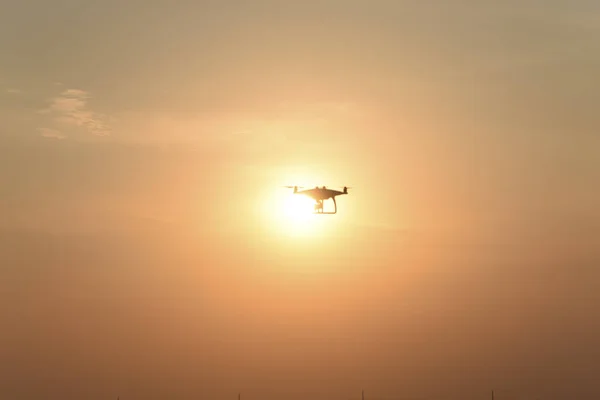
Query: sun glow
x,y
298,208
292,215
296,216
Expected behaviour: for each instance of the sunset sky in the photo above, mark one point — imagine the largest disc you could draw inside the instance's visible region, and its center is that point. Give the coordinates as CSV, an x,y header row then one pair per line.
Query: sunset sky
x,y
148,249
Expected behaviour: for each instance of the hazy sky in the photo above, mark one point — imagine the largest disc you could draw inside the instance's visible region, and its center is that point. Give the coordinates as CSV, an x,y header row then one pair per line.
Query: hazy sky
x,y
143,146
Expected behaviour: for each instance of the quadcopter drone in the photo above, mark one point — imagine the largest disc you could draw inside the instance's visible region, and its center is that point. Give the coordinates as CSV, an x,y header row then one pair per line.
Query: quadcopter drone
x,y
320,194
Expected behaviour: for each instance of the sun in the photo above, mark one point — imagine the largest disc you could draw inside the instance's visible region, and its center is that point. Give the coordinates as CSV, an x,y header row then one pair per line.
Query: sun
x,y
296,216
297,208
291,214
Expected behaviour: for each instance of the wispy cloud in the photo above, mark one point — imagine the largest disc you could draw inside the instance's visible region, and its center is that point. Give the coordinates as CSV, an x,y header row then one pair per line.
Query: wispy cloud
x,y
51,133
71,109
13,91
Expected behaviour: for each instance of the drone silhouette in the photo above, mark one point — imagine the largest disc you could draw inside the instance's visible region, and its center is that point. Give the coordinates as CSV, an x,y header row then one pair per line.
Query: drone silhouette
x,y
320,194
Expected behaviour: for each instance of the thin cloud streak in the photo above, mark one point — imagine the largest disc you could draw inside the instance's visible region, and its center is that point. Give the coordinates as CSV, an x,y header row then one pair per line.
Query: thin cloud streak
x,y
70,109
51,133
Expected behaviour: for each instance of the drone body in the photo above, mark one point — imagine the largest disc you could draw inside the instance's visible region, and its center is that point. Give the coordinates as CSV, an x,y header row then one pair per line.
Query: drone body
x,y
320,194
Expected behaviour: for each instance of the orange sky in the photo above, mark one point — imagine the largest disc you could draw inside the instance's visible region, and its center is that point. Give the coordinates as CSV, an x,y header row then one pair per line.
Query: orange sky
x,y
144,251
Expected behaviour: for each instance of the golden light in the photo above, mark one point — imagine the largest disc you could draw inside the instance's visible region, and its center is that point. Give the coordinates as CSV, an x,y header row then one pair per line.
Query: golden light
x,y
295,215
291,215
297,208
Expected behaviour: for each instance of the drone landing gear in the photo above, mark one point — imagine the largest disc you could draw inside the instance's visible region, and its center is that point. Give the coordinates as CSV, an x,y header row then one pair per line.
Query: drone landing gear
x,y
319,207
